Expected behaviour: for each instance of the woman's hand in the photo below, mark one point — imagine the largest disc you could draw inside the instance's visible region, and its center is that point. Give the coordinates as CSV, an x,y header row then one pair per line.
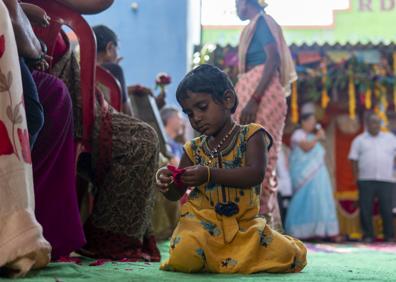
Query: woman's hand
x,y
195,175
36,15
164,179
41,65
249,113
28,44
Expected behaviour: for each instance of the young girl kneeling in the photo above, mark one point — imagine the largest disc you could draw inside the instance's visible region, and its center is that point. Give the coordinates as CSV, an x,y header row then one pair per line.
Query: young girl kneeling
x,y
219,229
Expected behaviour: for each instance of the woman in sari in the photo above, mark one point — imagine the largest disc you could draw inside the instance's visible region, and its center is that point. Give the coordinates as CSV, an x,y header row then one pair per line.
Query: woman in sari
x,y
52,157
311,213
266,71
121,166
22,245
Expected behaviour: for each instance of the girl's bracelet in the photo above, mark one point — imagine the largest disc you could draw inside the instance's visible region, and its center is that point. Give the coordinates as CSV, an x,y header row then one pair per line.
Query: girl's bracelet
x,y
159,182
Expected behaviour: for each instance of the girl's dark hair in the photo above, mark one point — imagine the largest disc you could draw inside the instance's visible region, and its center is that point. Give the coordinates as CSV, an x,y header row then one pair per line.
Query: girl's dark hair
x,y
206,79
104,35
306,116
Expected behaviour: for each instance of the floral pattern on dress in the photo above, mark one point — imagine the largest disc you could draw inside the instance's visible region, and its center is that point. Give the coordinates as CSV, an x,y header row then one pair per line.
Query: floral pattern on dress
x,y
174,242
265,239
201,253
194,194
228,262
187,215
298,265
211,228
211,187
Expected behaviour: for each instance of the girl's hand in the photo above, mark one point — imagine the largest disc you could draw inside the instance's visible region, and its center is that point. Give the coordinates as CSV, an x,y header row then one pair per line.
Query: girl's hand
x,y
249,113
163,179
195,175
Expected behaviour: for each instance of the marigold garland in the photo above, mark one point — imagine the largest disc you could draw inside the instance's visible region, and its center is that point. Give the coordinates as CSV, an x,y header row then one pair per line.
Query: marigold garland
x,y
325,96
367,98
383,109
294,103
352,97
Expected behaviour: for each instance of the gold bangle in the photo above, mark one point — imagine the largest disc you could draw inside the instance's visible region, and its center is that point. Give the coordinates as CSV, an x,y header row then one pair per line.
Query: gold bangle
x,y
208,180
157,176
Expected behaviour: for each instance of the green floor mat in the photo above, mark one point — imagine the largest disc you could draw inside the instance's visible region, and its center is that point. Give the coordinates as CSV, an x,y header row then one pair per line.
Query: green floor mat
x,y
325,263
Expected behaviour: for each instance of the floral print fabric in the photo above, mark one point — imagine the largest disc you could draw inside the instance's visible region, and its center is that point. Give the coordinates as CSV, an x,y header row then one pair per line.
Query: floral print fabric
x,y
22,246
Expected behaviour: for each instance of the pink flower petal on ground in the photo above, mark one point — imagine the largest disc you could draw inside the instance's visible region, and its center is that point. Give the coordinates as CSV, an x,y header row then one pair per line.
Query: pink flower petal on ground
x,y
128,260
99,262
69,259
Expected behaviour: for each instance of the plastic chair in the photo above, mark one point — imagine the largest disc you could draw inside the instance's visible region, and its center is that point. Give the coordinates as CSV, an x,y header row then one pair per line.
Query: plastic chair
x,y
64,16
105,77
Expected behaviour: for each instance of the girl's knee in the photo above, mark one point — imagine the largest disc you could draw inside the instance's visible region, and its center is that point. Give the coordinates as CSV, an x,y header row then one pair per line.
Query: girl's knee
x,y
186,255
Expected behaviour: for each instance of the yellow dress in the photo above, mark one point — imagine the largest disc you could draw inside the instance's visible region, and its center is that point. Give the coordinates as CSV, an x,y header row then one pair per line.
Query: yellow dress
x,y
212,236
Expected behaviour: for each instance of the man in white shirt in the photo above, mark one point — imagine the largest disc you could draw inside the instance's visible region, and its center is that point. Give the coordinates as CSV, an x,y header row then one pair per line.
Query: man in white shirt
x,y
373,155
174,127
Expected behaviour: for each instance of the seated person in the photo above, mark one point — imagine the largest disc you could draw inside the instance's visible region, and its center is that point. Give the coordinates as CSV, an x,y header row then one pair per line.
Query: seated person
x,y
32,55
53,157
166,212
107,57
174,125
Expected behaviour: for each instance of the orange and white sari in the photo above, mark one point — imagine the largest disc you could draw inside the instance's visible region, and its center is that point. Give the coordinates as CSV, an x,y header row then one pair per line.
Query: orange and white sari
x,y
22,245
272,111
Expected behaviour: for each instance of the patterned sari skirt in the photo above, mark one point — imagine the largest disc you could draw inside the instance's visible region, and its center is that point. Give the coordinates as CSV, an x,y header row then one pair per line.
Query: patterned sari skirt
x,y
271,115
120,223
